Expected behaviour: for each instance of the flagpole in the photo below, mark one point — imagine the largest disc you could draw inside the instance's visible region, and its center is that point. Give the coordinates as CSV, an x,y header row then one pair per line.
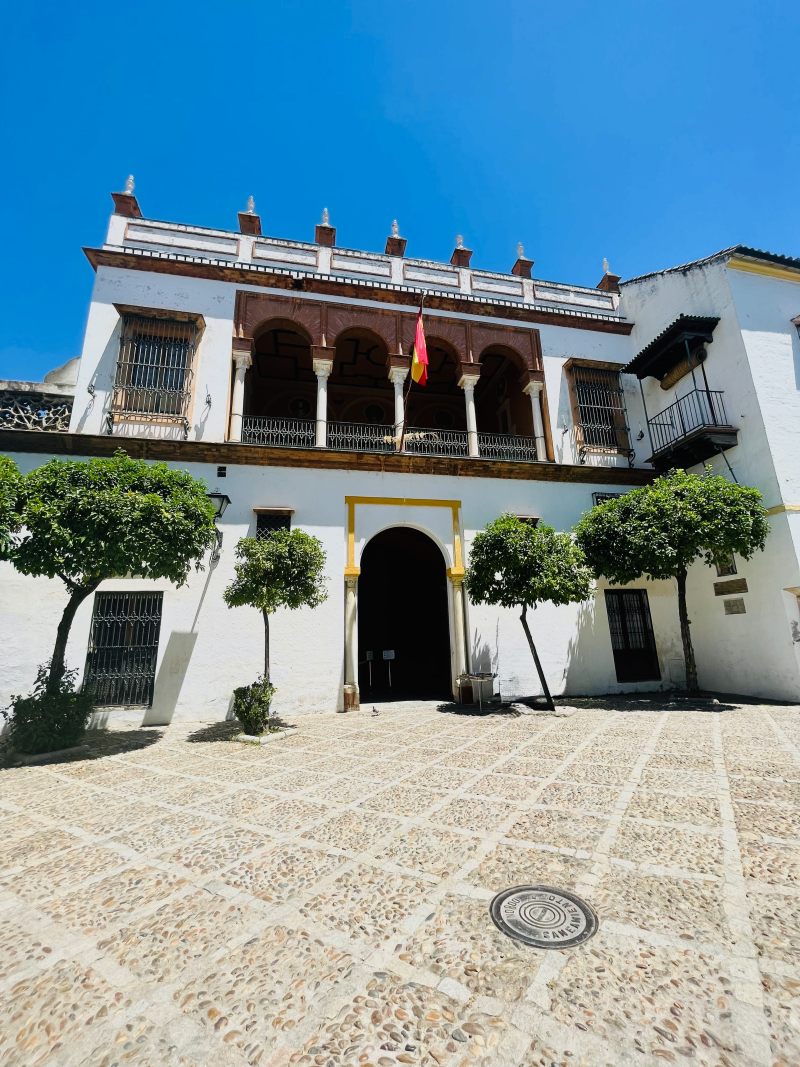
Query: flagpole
x,y
408,390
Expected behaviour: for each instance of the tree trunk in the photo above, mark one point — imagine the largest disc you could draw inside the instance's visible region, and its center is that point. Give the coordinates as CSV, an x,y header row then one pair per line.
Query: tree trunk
x,y
524,620
265,616
686,634
77,597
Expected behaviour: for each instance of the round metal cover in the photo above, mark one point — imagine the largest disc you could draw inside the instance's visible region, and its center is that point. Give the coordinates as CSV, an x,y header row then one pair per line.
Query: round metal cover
x,y
543,916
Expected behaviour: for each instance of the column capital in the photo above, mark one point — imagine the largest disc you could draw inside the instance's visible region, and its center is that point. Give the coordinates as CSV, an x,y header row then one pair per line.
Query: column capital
x,y
468,381
397,375
322,352
456,577
351,576
534,386
322,367
242,359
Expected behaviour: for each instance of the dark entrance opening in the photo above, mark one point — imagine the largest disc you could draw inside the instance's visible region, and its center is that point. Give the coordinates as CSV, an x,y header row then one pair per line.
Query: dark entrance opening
x,y
632,639
402,609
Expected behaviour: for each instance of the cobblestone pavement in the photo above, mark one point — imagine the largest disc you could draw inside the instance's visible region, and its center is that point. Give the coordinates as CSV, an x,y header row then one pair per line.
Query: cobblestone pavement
x,y
180,898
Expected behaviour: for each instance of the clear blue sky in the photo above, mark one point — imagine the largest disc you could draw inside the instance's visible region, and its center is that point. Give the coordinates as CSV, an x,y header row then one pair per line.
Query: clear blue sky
x,y
647,131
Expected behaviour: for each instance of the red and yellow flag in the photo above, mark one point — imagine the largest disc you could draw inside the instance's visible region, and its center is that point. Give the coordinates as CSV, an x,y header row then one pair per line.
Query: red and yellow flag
x,y
419,361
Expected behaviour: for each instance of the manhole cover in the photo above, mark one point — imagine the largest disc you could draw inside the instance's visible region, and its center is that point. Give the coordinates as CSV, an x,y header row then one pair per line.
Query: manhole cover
x,y
543,916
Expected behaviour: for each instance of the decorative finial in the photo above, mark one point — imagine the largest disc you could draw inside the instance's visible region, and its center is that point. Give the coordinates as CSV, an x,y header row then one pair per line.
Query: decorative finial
x,y
520,250
395,228
459,240
129,185
326,219
251,205
606,268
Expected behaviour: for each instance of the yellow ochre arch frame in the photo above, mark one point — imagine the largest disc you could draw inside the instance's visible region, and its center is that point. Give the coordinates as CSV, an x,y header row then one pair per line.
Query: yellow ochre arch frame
x,y
352,571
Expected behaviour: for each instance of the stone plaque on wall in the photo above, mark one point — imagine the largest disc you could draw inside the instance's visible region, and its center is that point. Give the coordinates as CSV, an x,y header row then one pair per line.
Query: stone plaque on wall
x,y
735,585
735,606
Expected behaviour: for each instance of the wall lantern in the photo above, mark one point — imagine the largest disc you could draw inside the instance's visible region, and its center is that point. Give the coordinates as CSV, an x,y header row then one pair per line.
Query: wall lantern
x,y
220,502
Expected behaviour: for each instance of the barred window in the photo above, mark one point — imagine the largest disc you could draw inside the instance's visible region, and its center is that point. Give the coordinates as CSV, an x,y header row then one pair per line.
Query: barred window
x,y
726,565
600,498
155,367
598,398
272,519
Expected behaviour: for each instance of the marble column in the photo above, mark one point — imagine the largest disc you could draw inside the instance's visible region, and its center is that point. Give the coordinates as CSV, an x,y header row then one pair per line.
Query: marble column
x,y
397,376
459,642
322,369
534,391
243,359
351,697
468,383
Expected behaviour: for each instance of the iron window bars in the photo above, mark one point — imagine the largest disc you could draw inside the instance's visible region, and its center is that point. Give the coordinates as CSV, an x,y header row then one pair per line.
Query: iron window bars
x,y
123,648
155,369
602,419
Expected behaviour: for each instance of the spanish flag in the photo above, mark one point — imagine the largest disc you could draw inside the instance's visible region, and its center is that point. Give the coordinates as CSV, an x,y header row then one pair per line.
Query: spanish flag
x,y
419,361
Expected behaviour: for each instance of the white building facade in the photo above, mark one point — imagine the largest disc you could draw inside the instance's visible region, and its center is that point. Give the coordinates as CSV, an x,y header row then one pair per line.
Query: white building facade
x,y
277,371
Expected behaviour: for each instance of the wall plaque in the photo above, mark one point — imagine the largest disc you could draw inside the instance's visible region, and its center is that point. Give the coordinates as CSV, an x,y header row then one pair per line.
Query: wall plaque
x,y
735,606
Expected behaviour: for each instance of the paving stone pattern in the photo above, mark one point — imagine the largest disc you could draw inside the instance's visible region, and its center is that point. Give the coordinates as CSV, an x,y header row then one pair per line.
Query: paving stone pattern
x,y
179,898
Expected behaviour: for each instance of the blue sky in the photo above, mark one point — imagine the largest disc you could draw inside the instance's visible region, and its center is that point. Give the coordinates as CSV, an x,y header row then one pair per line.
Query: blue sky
x,y
649,132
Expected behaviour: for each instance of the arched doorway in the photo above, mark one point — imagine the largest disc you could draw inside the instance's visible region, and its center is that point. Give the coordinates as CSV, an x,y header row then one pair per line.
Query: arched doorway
x,y
402,608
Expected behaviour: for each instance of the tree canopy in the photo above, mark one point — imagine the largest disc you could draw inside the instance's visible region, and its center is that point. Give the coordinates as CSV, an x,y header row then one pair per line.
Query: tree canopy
x,y
515,564
9,484
662,528
84,521
281,570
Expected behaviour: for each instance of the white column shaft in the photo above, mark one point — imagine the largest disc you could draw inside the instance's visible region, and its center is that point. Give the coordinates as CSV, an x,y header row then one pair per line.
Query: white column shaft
x,y
237,399
538,424
350,610
322,411
472,422
458,628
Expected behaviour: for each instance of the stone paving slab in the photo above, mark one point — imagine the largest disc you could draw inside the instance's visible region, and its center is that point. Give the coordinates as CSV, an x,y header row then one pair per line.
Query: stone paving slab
x,y
178,898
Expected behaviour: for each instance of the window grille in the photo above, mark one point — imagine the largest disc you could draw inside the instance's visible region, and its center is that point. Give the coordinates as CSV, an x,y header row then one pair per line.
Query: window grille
x,y
601,420
123,648
155,368
267,521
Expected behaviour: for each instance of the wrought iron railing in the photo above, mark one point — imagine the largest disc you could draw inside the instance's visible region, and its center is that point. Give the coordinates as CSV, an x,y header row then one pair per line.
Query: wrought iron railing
x,y
696,410
279,432
24,410
361,437
600,439
431,442
507,446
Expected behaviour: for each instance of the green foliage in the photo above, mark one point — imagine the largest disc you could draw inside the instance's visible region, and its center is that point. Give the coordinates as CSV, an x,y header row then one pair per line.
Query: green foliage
x,y
49,721
515,564
105,518
251,706
661,528
281,570
9,484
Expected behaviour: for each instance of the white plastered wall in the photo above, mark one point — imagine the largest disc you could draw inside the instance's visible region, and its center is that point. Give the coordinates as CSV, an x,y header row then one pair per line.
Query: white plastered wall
x,y
206,649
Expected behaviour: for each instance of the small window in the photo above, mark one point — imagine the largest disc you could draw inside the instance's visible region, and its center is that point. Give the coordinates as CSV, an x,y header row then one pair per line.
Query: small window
x,y
726,565
600,498
268,521
529,520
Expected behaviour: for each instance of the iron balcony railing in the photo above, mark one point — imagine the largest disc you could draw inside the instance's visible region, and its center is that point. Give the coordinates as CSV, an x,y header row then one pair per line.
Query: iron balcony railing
x,y
361,437
430,442
697,410
507,446
280,433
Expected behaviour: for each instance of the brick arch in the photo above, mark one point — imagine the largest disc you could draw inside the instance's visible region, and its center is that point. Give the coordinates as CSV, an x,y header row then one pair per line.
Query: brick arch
x,y
255,310
380,324
279,322
522,347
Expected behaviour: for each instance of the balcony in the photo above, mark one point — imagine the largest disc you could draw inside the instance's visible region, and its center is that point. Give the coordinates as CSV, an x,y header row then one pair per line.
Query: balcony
x,y
691,430
375,437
